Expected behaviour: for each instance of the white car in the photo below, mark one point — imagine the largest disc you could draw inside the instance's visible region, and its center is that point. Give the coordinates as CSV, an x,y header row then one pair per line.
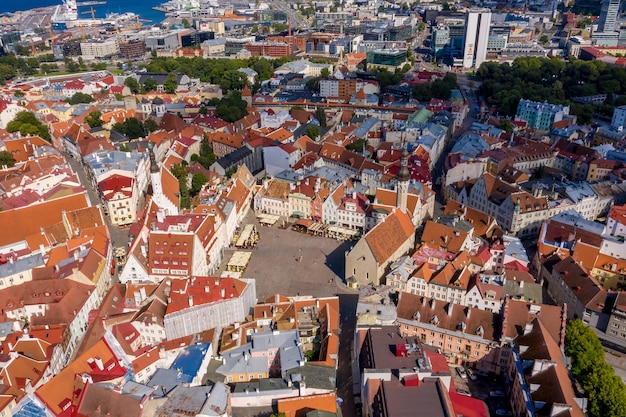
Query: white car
x,y
461,372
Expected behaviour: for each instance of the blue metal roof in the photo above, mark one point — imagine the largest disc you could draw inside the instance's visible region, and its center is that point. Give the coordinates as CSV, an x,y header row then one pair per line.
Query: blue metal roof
x,y
190,359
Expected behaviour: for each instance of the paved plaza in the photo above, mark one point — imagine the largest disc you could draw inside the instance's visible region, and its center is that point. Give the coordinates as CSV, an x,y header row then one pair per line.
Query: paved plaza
x,y
292,263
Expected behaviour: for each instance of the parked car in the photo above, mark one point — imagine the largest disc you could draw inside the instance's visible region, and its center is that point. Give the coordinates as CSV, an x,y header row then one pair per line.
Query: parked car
x,y
461,372
497,393
463,392
503,413
470,374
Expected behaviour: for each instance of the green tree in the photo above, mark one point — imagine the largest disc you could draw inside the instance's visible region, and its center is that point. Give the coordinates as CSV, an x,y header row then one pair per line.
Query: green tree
x,y
7,72
26,123
150,125
263,67
320,115
506,125
180,173
171,83
6,159
21,50
71,65
132,84
197,181
324,73
150,84
231,108
606,392
207,156
357,145
421,92
233,80
79,97
185,23
313,84
94,119
133,128
312,131
118,127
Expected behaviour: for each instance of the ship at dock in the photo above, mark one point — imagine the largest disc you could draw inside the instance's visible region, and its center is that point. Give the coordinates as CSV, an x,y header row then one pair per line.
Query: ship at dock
x,y
66,16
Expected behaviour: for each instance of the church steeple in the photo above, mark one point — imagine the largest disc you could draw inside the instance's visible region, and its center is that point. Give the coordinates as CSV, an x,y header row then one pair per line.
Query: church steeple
x,y
154,167
404,176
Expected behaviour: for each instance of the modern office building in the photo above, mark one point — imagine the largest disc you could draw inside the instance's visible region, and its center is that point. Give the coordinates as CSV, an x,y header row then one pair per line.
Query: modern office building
x,y
608,16
395,58
476,38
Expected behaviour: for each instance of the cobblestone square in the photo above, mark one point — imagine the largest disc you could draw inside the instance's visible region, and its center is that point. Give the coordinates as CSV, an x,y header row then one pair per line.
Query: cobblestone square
x,y
291,263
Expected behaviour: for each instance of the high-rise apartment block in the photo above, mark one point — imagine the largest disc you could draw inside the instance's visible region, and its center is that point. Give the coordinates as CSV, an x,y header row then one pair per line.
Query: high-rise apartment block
x,y
476,37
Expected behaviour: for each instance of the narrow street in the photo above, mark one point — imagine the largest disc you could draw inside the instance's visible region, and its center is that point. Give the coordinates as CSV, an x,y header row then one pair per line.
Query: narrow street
x,y
119,236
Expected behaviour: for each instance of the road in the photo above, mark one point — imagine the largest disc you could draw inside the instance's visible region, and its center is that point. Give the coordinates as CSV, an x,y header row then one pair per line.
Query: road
x,y
467,87
119,236
295,21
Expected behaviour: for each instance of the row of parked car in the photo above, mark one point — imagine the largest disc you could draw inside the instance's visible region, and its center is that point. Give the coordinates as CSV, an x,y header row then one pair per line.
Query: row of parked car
x,y
465,373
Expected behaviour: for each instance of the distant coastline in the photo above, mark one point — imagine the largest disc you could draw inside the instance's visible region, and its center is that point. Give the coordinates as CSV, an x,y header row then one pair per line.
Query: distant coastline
x,y
141,7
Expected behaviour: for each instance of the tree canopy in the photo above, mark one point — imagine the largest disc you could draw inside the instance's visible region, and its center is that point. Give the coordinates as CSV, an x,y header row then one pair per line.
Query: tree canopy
x,y
170,84
131,127
213,70
150,125
26,123
606,392
6,159
94,119
180,173
132,84
440,88
230,108
206,157
551,80
312,131
79,97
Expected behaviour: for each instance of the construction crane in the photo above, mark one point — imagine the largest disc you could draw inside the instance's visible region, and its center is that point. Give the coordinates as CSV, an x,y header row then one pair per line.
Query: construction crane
x,y
93,21
51,33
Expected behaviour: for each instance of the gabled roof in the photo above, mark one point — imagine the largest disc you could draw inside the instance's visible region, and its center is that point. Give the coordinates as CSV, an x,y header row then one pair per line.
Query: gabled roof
x,y
98,401
21,223
553,383
203,290
584,287
23,148
452,317
59,393
386,237
444,237
517,314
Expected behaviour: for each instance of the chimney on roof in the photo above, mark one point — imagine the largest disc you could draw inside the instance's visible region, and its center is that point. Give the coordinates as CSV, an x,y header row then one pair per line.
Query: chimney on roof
x,y
222,292
190,300
449,309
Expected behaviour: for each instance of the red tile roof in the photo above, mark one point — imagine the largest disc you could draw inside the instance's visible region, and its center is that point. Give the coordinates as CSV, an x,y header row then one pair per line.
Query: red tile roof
x,y
202,290
386,237
22,223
